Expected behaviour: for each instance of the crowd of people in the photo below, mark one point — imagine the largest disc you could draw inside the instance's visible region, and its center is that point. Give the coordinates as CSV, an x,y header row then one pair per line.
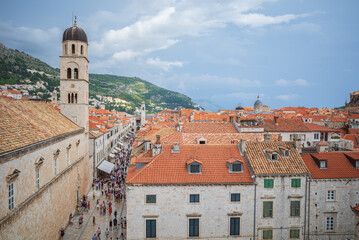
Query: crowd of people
x,y
113,188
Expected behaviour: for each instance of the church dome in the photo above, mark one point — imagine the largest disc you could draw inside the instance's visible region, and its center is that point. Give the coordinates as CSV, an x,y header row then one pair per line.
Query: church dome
x,y
75,33
258,102
239,107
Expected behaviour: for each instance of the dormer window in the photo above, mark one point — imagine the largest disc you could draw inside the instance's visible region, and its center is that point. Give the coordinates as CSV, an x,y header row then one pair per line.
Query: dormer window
x,y
323,164
284,151
357,164
274,156
271,154
194,166
234,165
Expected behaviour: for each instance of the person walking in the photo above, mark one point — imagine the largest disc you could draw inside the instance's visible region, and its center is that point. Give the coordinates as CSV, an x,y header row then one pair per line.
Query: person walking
x,y
107,233
98,232
81,219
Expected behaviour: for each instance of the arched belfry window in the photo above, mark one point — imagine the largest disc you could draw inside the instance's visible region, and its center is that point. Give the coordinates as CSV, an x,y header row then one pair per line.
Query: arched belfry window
x,y
72,98
82,49
76,73
73,48
65,49
69,98
75,97
69,73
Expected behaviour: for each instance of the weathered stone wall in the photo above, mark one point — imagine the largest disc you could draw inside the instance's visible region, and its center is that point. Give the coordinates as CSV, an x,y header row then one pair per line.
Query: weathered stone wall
x,y
173,209
40,213
346,195
281,194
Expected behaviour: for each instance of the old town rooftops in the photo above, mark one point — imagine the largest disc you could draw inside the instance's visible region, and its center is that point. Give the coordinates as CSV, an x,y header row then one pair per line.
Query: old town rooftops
x,y
23,123
171,168
262,164
337,164
208,127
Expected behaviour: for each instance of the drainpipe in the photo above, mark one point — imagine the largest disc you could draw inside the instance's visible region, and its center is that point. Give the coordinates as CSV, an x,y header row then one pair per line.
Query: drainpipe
x,y
305,205
309,209
255,207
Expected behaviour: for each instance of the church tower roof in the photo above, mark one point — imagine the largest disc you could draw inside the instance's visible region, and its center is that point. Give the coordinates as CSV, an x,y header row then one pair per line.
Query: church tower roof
x,y
74,33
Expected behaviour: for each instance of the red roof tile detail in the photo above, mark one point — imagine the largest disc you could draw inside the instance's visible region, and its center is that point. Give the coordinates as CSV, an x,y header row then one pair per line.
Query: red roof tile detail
x,y
170,167
206,127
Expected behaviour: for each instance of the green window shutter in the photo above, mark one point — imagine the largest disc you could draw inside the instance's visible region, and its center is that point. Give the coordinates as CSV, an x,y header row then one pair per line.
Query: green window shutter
x,y
267,209
268,183
295,208
296,182
267,234
294,233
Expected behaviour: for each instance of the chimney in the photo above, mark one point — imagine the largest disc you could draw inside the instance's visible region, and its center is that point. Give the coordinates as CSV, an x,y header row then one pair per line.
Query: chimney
x,y
158,139
322,147
297,143
267,137
176,147
276,120
242,146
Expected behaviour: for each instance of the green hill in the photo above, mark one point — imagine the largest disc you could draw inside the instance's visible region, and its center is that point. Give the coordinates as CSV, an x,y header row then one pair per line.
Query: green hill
x,y
20,68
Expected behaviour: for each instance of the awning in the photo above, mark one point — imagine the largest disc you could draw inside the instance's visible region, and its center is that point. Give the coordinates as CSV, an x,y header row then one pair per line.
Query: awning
x,y
106,166
120,143
114,151
111,155
118,149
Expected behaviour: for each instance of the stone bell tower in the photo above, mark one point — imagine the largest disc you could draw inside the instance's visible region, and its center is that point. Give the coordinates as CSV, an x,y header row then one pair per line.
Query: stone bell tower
x,y
74,77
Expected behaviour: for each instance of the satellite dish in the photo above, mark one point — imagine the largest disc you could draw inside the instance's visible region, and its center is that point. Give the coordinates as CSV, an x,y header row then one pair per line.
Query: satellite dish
x,y
308,143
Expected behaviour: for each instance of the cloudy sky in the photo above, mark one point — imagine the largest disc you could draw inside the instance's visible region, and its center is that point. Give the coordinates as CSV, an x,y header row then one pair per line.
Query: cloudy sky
x,y
291,53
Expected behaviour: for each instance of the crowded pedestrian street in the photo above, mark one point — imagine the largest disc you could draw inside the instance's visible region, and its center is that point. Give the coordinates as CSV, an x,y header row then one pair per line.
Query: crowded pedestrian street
x,y
102,213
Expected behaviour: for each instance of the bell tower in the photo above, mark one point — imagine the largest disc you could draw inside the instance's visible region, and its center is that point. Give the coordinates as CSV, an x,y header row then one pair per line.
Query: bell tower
x,y
74,77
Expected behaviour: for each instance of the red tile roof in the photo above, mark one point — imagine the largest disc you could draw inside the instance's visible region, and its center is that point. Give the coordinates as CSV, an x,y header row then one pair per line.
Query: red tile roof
x,y
338,165
352,137
206,127
168,167
261,165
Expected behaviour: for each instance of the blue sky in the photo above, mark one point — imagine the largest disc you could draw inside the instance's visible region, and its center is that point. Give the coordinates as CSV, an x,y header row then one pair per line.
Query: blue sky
x,y
291,53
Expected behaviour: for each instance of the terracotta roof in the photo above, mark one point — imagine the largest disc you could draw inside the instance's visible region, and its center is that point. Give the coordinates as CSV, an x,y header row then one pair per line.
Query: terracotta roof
x,y
27,122
207,127
352,137
339,164
293,125
317,128
353,130
169,167
225,138
261,165
354,116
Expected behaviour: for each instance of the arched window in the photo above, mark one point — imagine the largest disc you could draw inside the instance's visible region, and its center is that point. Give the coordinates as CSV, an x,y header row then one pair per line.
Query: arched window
x,y
69,98
73,48
72,98
82,49
76,73
65,49
75,97
69,73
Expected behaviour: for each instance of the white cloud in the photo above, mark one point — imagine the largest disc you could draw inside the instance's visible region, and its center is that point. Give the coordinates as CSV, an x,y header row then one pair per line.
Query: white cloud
x,y
260,20
165,65
297,82
287,97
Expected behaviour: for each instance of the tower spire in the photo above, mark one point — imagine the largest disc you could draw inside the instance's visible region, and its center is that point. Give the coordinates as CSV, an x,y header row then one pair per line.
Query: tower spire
x,y
75,23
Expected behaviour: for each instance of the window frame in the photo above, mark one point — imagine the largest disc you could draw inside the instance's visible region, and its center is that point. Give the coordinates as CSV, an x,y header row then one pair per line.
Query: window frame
x,y
294,233
235,197
296,182
275,155
267,212
194,198
55,165
193,220
11,195
237,164
264,231
237,226
295,210
150,234
195,165
332,223
37,173
147,199
331,197
322,164
269,183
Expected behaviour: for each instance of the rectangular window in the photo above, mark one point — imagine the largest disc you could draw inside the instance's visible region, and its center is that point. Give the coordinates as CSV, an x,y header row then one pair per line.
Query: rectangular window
x,y
150,198
323,164
330,224
316,136
357,164
267,234
195,168
11,196
268,183
235,197
236,167
295,208
55,165
268,209
294,233
151,228
68,156
38,178
194,198
331,195
296,182
234,226
194,227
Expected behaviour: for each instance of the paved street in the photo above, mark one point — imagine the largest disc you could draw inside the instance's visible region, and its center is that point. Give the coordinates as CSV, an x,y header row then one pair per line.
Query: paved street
x,y
87,230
